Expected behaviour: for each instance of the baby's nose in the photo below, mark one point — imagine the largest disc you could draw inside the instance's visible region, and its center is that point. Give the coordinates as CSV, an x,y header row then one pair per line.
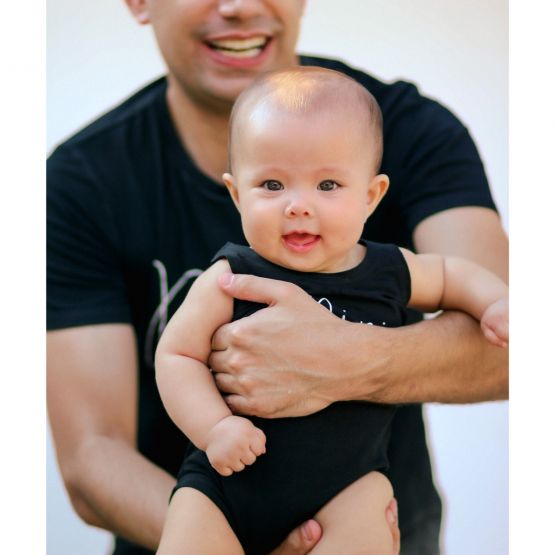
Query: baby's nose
x,y
298,207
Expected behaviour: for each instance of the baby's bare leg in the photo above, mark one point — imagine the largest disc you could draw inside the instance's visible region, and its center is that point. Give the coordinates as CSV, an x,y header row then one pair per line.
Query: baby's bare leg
x,y
195,526
354,521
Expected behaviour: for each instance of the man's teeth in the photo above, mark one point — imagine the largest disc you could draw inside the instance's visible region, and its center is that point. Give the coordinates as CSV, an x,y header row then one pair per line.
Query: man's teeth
x,y
239,44
240,48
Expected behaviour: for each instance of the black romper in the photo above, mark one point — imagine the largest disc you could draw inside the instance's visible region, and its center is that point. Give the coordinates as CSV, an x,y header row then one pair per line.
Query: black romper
x,y
308,459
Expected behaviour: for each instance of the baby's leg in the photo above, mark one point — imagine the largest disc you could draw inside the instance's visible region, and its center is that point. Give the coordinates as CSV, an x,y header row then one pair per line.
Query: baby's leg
x,y
354,521
196,526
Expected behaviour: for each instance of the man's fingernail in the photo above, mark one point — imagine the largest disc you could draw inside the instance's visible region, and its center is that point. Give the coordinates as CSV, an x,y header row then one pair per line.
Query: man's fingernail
x,y
226,279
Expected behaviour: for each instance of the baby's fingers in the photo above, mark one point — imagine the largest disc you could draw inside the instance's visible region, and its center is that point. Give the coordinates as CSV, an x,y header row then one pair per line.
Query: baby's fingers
x,y
248,458
258,445
502,330
237,466
493,338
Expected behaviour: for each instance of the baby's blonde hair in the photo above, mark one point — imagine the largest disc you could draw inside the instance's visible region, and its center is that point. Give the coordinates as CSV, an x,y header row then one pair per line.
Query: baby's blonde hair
x,y
305,90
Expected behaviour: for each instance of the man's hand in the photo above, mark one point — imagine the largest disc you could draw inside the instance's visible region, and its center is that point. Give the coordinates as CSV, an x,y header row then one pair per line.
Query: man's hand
x,y
301,540
392,517
286,360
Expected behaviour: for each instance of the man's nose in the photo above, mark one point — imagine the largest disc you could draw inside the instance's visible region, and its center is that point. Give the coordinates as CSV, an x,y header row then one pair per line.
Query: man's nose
x,y
239,8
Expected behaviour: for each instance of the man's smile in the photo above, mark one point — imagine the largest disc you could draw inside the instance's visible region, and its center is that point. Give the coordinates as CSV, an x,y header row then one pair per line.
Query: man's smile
x,y
240,48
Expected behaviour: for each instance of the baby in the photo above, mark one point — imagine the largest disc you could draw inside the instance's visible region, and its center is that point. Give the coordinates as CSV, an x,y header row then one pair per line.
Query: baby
x,y
305,149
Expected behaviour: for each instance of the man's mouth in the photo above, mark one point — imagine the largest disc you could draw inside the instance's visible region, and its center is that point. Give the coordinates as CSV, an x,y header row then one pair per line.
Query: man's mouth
x,y
240,48
301,241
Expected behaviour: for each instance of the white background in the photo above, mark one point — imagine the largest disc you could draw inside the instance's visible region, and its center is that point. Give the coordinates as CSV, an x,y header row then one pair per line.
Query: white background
x,y
454,51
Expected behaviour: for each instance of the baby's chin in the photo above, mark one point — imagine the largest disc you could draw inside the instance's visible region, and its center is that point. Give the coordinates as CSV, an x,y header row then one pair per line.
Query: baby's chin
x,y
297,263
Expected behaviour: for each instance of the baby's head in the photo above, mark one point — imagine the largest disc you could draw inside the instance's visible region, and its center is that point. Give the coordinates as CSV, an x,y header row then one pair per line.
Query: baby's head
x,y
305,147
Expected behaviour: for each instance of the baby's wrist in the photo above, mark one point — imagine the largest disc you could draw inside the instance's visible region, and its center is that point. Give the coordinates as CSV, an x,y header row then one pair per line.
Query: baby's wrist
x,y
219,428
209,434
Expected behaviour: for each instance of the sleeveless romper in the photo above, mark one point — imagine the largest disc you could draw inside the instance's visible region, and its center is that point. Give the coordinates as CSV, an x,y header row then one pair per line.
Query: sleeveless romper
x,y
308,459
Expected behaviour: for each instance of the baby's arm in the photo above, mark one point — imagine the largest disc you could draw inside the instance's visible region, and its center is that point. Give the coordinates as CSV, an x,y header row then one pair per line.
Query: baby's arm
x,y
439,282
186,384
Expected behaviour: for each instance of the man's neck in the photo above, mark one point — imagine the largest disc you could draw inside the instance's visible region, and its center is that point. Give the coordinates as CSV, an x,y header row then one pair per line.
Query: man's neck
x,y
203,131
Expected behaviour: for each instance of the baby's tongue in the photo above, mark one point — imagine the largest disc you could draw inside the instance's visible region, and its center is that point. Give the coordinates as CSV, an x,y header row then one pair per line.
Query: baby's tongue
x,y
300,238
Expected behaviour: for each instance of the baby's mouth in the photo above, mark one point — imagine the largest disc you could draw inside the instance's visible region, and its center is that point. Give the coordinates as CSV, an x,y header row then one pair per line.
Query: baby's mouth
x,y
301,241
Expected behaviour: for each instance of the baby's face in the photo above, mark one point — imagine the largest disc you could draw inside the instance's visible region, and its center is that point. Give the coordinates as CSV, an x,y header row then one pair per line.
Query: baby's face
x,y
305,186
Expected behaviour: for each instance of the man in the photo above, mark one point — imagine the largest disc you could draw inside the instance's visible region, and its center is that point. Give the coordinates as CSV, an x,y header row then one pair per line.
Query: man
x,y
135,211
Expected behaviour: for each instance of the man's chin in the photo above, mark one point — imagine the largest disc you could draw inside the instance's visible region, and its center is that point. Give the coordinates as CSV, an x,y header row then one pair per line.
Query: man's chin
x,y
220,94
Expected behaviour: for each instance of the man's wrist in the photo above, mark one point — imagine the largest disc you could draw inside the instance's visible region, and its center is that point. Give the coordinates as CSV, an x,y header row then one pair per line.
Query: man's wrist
x,y
366,361
445,360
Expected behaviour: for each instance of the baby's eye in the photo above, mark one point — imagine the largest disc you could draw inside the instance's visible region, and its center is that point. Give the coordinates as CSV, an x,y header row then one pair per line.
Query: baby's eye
x,y
328,185
272,185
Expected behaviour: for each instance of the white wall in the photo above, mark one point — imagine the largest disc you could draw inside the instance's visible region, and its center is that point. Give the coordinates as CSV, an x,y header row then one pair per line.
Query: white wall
x,y
456,52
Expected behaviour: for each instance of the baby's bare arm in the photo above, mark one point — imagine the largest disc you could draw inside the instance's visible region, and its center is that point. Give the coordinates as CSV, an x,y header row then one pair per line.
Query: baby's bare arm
x,y
455,283
185,383
187,387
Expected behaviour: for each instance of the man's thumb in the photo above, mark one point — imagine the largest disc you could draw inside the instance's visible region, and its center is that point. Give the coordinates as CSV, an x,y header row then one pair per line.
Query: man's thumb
x,y
254,288
301,540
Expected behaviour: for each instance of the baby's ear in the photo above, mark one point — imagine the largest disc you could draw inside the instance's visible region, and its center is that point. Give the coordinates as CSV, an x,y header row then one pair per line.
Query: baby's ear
x,y
376,191
231,187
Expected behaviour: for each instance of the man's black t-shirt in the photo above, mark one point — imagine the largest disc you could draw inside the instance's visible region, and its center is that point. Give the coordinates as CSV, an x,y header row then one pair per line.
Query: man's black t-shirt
x,y
132,221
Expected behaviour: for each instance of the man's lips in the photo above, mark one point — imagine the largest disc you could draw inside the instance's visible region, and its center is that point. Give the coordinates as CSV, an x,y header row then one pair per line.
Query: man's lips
x,y
237,48
301,241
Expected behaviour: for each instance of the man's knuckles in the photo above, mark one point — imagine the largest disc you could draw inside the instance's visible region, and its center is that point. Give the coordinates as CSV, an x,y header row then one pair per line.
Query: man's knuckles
x,y
254,406
236,362
239,334
247,383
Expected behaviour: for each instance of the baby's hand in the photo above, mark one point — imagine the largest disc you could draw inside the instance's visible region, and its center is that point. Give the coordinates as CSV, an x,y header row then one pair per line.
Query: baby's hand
x,y
495,323
233,443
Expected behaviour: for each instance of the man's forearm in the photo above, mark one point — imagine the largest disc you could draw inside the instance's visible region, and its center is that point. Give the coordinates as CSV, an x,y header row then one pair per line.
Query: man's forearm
x,y
296,357
116,488
445,360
